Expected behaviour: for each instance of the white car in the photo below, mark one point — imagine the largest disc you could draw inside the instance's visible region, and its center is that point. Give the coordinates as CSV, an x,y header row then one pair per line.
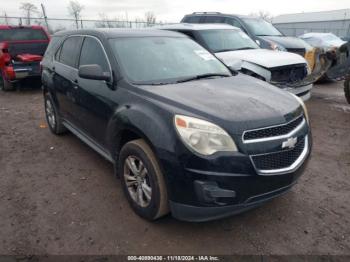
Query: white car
x,y
237,50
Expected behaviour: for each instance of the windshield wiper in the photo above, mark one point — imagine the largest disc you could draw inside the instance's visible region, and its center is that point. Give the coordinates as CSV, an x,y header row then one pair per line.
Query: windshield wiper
x,y
246,48
197,77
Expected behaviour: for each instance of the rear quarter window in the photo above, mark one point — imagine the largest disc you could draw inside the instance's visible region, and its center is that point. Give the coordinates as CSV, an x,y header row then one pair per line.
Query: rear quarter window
x,y
22,34
54,44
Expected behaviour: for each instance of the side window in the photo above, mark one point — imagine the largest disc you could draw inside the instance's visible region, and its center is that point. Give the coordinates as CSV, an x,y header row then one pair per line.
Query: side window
x,y
192,19
214,19
234,22
69,51
92,53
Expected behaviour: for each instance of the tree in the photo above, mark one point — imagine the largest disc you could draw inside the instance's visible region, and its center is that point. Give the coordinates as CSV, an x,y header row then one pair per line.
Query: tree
x,y
75,9
264,15
28,9
150,18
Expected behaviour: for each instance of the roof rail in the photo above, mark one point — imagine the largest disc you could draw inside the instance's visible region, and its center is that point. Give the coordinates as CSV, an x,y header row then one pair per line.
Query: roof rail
x,y
206,13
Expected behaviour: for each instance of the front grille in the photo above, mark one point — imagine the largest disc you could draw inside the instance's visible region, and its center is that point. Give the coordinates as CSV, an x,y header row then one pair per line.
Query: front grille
x,y
273,131
279,160
289,74
298,51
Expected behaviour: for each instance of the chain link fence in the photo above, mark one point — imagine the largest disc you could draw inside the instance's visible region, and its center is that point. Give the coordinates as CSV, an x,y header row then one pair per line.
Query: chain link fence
x,y
54,25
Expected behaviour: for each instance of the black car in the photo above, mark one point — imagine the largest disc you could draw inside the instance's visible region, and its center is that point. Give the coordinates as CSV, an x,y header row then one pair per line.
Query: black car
x,y
261,31
184,133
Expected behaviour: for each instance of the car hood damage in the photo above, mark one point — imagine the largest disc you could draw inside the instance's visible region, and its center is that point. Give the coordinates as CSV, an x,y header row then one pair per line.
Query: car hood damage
x,y
263,57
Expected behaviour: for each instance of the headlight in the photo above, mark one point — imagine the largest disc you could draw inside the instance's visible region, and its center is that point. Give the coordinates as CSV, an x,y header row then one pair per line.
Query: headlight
x,y
277,47
202,136
304,107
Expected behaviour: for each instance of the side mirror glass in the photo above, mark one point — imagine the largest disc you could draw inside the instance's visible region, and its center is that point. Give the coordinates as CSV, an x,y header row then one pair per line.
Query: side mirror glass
x,y
93,72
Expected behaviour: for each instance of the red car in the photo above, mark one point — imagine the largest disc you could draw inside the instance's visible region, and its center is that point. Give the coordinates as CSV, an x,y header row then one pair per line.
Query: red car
x,y
21,51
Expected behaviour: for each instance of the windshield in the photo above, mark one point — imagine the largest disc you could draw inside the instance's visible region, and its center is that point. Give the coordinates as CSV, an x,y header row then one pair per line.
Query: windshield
x,y
163,60
22,34
260,27
332,40
227,40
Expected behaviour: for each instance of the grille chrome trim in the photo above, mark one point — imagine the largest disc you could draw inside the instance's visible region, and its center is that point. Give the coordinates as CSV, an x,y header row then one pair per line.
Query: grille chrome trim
x,y
289,169
266,139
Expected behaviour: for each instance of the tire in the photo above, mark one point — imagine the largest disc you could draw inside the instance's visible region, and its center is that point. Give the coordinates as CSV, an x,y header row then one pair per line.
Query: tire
x,y
6,85
52,117
347,89
147,193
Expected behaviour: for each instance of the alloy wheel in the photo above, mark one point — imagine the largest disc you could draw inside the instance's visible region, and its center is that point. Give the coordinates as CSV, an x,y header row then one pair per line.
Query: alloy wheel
x,y
137,181
50,113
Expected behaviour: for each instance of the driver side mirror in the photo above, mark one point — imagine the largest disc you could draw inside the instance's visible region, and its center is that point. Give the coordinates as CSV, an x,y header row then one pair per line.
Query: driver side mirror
x,y
93,72
235,66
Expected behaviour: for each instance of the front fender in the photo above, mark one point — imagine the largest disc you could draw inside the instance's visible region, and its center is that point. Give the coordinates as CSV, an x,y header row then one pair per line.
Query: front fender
x,y
153,124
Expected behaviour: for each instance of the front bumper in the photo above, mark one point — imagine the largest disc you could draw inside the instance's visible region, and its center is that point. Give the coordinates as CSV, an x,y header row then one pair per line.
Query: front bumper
x,y
202,214
304,92
224,185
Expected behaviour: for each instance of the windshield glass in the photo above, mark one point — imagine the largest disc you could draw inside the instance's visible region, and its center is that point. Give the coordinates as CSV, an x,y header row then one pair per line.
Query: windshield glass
x,y
260,27
22,34
162,60
332,40
227,40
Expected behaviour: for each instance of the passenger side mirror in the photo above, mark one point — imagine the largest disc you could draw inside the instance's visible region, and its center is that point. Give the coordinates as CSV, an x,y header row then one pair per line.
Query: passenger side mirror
x,y
93,72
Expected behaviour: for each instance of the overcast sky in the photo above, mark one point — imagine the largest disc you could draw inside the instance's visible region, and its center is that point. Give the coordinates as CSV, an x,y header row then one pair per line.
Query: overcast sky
x,y
174,10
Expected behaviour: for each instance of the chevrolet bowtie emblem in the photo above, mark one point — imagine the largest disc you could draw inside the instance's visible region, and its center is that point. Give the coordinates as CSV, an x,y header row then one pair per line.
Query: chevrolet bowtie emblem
x,y
290,143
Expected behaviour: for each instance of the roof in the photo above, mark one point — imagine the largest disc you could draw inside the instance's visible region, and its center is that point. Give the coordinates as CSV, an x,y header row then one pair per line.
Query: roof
x,y
196,27
120,32
220,14
5,27
334,15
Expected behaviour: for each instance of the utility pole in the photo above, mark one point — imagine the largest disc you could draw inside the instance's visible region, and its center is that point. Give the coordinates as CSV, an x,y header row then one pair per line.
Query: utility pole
x,y
6,20
45,17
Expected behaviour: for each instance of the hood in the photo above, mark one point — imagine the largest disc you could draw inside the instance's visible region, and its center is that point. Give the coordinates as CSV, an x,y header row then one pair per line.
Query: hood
x,y
263,57
236,103
285,41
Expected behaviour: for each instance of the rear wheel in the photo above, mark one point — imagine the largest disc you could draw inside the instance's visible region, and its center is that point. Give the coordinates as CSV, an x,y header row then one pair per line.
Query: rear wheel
x,y
142,180
6,85
347,89
53,119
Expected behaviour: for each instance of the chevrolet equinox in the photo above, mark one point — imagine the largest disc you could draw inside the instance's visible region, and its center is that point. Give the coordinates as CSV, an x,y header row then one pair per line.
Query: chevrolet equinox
x,y
186,135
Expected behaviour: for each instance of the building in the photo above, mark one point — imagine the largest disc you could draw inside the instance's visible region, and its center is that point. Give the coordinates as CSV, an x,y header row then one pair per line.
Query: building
x,y
336,22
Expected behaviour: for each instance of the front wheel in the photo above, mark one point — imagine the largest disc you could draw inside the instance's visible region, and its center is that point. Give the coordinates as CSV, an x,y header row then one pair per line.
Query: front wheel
x,y
347,89
142,180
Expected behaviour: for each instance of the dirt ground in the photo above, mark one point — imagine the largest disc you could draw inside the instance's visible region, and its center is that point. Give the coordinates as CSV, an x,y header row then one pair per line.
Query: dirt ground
x,y
57,196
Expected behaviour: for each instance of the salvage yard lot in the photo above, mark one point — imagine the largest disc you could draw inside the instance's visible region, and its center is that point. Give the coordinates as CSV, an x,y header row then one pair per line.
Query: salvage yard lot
x,y
57,196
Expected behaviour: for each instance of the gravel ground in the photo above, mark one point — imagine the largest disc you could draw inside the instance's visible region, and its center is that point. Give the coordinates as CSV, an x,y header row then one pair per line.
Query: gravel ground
x,y
57,196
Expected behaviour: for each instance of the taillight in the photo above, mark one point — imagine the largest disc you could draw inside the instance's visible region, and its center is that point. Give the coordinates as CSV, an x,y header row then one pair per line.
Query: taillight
x,y
10,73
4,53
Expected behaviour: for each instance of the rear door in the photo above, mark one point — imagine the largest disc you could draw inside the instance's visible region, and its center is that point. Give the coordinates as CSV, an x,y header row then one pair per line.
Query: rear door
x,y
64,79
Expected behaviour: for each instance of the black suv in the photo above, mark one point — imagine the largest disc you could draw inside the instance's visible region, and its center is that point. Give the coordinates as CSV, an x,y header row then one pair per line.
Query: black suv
x,y
184,133
261,31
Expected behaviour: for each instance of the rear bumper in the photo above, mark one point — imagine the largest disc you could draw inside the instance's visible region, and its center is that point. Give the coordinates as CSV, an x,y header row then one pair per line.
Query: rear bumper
x,y
22,70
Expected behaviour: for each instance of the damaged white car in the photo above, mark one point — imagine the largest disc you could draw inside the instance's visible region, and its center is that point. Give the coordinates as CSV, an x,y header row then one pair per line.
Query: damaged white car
x,y
237,50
